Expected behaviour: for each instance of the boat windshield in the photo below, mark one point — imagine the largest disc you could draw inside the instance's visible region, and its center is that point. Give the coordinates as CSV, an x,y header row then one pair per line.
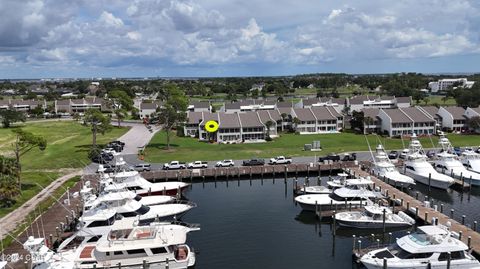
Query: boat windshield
x,y
403,254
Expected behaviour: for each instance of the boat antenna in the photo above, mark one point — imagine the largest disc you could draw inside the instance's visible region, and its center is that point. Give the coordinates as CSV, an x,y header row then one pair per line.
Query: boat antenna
x,y
431,141
370,149
403,144
41,220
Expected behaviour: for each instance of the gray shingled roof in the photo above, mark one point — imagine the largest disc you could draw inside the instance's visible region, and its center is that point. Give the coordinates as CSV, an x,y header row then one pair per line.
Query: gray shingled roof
x,y
286,110
359,99
397,115
309,101
431,110
200,104
416,114
404,99
285,104
476,109
207,116
264,116
275,115
457,112
304,114
322,113
63,102
148,106
334,112
250,119
370,112
194,117
228,120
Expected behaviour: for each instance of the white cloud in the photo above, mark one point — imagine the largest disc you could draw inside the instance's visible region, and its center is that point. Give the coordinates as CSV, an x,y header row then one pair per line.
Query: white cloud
x,y
110,20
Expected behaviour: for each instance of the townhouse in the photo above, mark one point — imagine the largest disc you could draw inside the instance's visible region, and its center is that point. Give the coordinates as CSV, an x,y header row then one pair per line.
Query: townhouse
x,y
471,112
371,121
316,120
406,121
357,103
452,118
337,103
22,105
199,107
147,108
80,105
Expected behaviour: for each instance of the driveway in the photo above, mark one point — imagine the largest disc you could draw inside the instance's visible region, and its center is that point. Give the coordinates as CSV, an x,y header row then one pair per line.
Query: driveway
x,y
137,137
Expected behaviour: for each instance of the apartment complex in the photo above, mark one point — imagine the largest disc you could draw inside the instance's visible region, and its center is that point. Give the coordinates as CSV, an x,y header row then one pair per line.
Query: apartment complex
x,y
80,105
444,84
357,103
406,121
22,105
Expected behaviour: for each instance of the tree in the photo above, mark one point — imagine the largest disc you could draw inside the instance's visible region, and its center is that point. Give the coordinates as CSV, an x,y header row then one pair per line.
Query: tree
x,y
173,110
10,116
296,121
8,190
474,123
30,95
37,111
268,124
76,116
120,114
24,142
98,123
284,116
357,120
122,99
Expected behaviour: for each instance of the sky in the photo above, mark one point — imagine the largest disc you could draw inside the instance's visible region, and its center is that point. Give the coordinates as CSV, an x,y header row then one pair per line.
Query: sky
x,y
202,38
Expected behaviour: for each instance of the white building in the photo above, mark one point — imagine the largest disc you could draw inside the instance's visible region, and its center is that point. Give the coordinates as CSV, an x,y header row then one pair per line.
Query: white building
x,y
406,121
452,118
443,84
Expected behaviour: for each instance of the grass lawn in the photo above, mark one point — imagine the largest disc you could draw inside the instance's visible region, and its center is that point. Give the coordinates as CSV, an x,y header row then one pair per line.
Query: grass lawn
x,y
68,144
190,149
437,100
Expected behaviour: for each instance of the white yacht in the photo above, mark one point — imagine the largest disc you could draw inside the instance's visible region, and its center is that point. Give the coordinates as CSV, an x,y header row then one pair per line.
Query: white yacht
x,y
417,167
372,218
430,244
448,163
471,160
156,246
331,185
384,168
339,198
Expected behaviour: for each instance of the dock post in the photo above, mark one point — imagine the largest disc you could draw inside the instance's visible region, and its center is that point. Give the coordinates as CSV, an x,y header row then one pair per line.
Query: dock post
x,y
284,171
385,263
191,176
304,189
296,170
460,233
251,173
317,211
469,241
429,181
295,183
451,213
331,204
119,265
319,181
449,257
426,217
350,207
144,264
383,220
353,236
475,226
408,206
463,219
359,245
167,263
401,202
334,223
441,208
307,181
416,195
416,212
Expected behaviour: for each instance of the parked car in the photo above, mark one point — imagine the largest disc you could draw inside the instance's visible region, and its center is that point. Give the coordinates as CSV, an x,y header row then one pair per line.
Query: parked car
x,y
107,156
431,153
115,146
118,142
99,159
393,155
280,160
349,157
142,167
253,162
404,153
197,164
106,168
174,165
109,150
225,163
457,150
331,157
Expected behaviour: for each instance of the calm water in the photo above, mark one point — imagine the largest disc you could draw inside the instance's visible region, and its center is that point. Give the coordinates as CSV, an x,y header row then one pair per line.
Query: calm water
x,y
257,225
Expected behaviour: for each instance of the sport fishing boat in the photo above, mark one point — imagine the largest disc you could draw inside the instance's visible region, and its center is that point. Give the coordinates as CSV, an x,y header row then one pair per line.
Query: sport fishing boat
x,y
429,245
384,168
156,246
417,167
448,163
372,217
471,160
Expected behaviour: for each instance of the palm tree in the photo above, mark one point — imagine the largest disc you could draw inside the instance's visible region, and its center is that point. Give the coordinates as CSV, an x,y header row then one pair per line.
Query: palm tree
x,y
120,114
268,124
284,116
296,121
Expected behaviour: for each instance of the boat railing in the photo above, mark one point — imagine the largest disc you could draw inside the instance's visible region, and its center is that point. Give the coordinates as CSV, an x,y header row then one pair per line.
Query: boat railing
x,y
183,202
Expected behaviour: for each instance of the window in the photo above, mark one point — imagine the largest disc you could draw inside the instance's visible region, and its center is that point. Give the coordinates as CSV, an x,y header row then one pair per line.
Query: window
x,y
158,250
136,251
117,253
143,210
455,255
410,168
93,239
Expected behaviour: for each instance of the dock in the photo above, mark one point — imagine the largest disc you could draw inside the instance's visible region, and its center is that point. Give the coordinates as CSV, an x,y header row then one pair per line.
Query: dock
x,y
424,213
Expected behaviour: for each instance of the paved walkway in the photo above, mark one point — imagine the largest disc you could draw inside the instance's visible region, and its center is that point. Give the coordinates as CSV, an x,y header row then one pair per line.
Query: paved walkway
x,y
137,137
11,221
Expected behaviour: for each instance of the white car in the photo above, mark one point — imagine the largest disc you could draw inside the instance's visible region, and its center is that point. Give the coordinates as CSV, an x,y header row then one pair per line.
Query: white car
x,y
280,160
197,164
174,165
225,163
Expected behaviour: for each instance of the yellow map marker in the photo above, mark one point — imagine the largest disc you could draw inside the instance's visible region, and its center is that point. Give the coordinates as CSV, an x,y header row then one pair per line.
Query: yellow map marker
x,y
211,126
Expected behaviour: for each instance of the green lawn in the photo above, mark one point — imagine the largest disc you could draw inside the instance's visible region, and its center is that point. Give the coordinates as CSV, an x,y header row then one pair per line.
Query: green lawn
x,y
68,144
437,100
190,149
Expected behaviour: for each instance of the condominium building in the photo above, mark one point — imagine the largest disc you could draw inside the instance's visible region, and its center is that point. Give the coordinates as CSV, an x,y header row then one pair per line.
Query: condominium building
x,y
444,84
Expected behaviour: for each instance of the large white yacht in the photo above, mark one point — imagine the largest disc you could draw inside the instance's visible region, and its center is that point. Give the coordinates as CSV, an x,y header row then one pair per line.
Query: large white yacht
x,y
430,244
471,160
448,163
156,246
417,167
372,218
384,168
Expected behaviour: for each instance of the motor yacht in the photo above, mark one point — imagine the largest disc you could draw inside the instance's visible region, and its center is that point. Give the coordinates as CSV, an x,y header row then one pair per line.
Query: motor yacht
x,y
417,167
429,245
372,217
155,246
384,168
448,163
471,160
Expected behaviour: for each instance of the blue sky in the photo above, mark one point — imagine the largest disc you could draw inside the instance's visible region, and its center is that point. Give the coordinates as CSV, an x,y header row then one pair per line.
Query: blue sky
x,y
133,38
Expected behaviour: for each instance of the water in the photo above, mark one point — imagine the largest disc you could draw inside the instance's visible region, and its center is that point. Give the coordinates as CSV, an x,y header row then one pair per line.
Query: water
x,y
257,225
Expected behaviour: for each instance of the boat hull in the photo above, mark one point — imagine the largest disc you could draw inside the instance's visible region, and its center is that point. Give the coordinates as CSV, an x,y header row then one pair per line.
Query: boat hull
x,y
371,224
439,184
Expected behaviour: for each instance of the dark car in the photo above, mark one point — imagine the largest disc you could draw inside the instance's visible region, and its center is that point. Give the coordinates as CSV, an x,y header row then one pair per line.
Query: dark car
x,y
114,146
431,153
393,155
106,156
118,142
100,159
349,157
253,162
330,157
108,168
457,150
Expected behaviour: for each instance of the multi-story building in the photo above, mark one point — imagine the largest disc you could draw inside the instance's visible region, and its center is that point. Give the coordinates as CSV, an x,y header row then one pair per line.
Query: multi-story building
x,y
452,118
22,105
199,107
406,121
372,122
444,84
80,105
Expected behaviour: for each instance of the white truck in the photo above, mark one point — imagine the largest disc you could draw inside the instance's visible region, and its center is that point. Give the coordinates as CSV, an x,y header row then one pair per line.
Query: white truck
x,y
280,160
225,163
197,164
174,165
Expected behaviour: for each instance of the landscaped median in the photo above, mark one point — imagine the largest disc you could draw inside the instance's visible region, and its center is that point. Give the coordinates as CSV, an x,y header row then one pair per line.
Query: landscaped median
x,y
190,149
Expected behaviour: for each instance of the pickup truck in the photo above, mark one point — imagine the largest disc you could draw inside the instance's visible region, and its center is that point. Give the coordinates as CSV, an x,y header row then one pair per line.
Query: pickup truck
x,y
225,163
280,160
197,164
174,165
330,157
